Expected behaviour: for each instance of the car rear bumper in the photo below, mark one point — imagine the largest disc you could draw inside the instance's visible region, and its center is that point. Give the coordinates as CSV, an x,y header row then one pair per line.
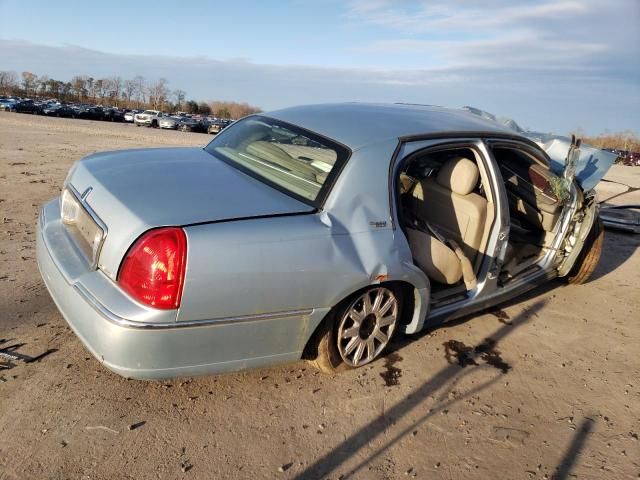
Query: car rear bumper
x,y
139,342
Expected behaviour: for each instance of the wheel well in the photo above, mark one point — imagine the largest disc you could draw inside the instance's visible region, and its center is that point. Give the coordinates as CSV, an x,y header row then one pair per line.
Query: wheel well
x,y
407,299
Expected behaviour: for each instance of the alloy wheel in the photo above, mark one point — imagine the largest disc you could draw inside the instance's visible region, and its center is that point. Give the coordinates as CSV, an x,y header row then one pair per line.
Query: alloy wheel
x,y
367,326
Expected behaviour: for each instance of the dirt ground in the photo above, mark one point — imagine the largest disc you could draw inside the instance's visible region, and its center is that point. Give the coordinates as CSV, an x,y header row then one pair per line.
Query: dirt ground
x,y
559,397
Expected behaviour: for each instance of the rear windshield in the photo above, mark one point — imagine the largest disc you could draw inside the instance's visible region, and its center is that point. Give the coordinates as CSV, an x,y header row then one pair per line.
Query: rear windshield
x,y
293,160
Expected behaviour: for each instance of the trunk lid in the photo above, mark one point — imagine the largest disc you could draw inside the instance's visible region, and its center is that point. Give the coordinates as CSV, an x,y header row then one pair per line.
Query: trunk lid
x,y
132,191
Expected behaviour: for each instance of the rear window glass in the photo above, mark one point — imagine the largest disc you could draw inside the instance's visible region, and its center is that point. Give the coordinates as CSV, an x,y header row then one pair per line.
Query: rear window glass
x,y
291,159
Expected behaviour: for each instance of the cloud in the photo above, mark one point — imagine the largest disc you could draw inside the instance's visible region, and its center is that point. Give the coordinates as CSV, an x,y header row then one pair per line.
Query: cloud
x,y
573,35
427,16
542,97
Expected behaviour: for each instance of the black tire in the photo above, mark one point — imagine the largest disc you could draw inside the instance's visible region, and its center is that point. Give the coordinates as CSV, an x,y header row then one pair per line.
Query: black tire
x,y
323,351
589,256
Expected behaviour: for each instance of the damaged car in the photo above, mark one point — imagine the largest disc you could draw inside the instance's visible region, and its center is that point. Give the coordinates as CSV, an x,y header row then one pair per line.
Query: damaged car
x,y
316,232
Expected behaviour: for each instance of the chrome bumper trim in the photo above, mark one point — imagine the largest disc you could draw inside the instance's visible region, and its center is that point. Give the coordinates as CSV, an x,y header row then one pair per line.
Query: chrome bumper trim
x,y
123,322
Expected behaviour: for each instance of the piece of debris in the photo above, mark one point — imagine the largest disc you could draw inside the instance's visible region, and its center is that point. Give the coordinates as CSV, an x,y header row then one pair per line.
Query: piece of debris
x,y
133,426
10,355
185,466
625,218
285,467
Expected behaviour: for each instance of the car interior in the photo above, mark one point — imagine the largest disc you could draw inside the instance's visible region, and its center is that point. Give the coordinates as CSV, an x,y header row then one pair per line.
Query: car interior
x,y
447,210
447,214
534,207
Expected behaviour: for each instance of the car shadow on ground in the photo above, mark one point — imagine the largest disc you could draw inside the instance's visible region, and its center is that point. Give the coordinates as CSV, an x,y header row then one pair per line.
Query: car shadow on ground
x,y
439,382
618,248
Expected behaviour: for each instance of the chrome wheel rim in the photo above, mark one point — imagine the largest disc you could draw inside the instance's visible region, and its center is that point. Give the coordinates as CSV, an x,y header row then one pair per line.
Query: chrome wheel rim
x,y
367,326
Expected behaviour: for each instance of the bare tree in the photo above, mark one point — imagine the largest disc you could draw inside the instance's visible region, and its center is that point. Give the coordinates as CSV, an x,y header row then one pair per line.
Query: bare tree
x,y
29,82
8,82
130,89
53,86
140,88
79,87
232,110
102,88
114,87
179,96
43,84
158,93
91,88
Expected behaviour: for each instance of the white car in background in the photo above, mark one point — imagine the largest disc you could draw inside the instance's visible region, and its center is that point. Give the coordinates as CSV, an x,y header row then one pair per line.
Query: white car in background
x,y
169,122
128,116
148,118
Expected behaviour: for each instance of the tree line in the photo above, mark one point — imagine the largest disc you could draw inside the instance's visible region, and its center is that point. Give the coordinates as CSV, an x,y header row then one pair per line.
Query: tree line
x,y
136,92
627,141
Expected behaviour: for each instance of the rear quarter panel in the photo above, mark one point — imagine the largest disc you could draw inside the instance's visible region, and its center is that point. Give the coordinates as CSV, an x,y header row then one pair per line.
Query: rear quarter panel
x,y
280,264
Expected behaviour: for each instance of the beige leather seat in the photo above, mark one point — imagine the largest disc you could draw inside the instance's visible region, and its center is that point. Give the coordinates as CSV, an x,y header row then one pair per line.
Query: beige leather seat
x,y
434,258
450,205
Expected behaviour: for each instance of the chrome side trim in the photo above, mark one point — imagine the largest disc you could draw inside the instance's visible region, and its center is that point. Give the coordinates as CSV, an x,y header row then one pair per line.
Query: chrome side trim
x,y
126,323
43,220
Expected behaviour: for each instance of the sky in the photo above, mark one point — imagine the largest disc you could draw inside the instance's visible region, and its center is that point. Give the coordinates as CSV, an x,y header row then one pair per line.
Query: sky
x,y
552,65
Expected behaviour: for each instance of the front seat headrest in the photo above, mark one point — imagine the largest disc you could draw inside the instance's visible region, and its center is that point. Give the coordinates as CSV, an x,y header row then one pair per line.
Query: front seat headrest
x,y
458,174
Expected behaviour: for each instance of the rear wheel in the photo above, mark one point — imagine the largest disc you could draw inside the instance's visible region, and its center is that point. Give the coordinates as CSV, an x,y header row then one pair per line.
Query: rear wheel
x,y
359,329
589,256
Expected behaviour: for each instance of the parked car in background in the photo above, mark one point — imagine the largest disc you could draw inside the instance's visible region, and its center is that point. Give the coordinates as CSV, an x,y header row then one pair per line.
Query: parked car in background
x,y
27,106
217,125
113,115
8,104
632,159
57,110
148,118
170,123
188,124
311,232
129,114
91,113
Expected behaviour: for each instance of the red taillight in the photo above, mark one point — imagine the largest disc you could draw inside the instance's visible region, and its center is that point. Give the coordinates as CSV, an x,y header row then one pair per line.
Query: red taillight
x,y
153,270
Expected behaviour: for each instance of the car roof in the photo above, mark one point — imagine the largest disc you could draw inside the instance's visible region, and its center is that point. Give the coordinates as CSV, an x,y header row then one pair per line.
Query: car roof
x,y
358,124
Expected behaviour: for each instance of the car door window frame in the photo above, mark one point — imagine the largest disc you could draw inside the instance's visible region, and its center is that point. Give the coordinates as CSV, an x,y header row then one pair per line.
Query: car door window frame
x,y
497,240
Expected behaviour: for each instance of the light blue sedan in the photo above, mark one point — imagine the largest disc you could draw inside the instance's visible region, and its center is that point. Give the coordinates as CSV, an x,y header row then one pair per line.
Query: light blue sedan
x,y
315,232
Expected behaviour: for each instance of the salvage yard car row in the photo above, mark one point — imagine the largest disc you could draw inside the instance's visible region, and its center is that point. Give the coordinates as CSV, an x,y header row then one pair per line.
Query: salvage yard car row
x,y
150,118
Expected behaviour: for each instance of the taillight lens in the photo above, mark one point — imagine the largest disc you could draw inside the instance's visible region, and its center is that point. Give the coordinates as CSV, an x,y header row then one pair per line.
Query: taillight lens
x,y
153,270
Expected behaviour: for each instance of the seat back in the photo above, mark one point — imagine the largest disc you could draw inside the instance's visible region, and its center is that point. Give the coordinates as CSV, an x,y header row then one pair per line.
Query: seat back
x,y
448,202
